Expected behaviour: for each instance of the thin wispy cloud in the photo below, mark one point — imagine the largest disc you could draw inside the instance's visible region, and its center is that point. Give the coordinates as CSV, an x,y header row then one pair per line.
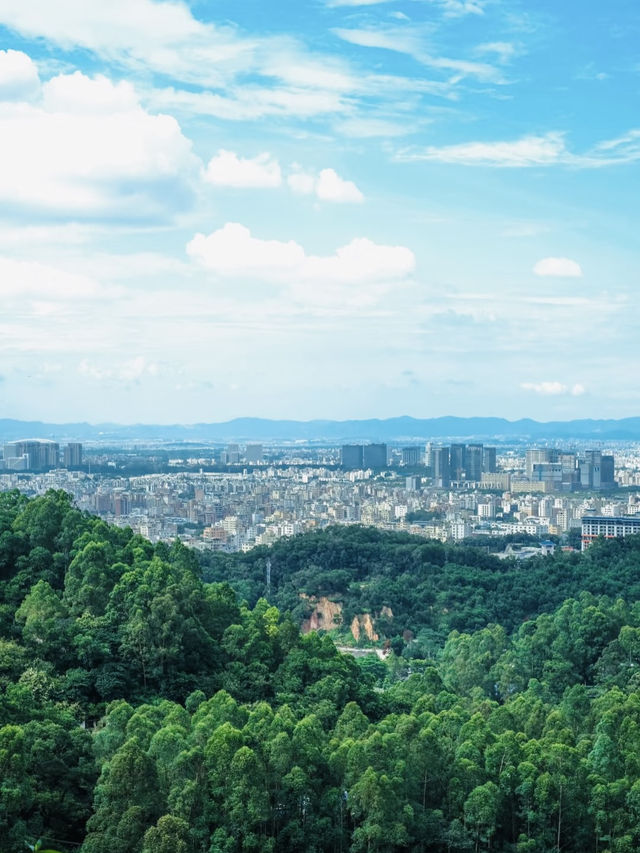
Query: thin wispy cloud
x,y
549,149
411,42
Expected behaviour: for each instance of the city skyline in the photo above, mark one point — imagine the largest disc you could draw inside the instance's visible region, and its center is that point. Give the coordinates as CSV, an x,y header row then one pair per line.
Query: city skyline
x,y
338,209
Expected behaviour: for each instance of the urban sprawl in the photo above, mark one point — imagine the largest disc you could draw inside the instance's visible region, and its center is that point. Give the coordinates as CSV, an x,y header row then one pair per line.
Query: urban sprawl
x,y
257,494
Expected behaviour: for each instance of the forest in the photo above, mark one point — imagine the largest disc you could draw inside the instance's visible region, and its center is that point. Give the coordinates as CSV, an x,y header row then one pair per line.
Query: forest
x,y
156,701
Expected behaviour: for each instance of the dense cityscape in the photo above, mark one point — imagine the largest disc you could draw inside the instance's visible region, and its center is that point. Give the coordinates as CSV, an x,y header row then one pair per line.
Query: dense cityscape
x,y
235,497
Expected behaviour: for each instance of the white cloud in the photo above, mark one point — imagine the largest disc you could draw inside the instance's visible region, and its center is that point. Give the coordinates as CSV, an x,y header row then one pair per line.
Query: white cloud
x,y
554,389
163,36
331,187
18,76
529,151
503,50
363,128
77,93
301,182
91,150
20,279
250,102
558,267
548,149
233,251
125,372
327,186
458,8
263,171
410,41
230,170
623,149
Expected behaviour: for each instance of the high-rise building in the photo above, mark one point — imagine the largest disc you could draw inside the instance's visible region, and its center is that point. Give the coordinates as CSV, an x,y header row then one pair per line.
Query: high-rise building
x,y
411,455
589,466
72,455
375,456
457,460
351,457
489,460
254,453
607,472
412,484
439,463
473,467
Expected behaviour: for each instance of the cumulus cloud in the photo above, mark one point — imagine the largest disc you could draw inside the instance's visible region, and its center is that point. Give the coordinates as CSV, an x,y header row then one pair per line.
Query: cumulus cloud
x,y
77,93
558,268
331,187
233,251
554,389
327,186
230,170
18,76
89,149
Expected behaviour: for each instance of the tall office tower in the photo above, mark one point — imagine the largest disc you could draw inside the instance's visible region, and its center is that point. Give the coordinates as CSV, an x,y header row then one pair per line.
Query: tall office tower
x,y
254,453
411,455
473,468
607,472
457,460
589,464
375,456
351,457
570,474
440,467
72,455
489,460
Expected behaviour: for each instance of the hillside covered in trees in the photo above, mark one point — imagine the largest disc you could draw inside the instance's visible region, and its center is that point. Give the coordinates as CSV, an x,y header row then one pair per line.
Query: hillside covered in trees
x,y
422,586
145,709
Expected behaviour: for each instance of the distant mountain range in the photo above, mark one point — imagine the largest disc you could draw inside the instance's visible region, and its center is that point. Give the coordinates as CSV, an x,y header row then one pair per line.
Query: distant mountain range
x,y
392,429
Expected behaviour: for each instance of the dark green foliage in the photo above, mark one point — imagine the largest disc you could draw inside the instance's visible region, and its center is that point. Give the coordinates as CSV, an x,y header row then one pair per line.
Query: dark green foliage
x,y
144,710
430,588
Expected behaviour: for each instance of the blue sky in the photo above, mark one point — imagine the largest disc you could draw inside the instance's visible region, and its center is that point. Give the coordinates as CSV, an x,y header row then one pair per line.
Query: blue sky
x,y
318,209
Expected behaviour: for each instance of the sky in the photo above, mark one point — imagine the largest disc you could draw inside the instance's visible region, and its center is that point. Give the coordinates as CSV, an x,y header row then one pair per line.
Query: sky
x,y
319,209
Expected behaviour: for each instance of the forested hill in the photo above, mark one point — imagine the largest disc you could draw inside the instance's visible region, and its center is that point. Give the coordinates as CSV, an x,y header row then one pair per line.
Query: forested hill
x,y
145,711
407,583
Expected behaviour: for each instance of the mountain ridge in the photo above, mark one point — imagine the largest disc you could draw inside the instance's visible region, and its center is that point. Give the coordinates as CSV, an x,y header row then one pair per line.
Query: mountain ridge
x,y
402,428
